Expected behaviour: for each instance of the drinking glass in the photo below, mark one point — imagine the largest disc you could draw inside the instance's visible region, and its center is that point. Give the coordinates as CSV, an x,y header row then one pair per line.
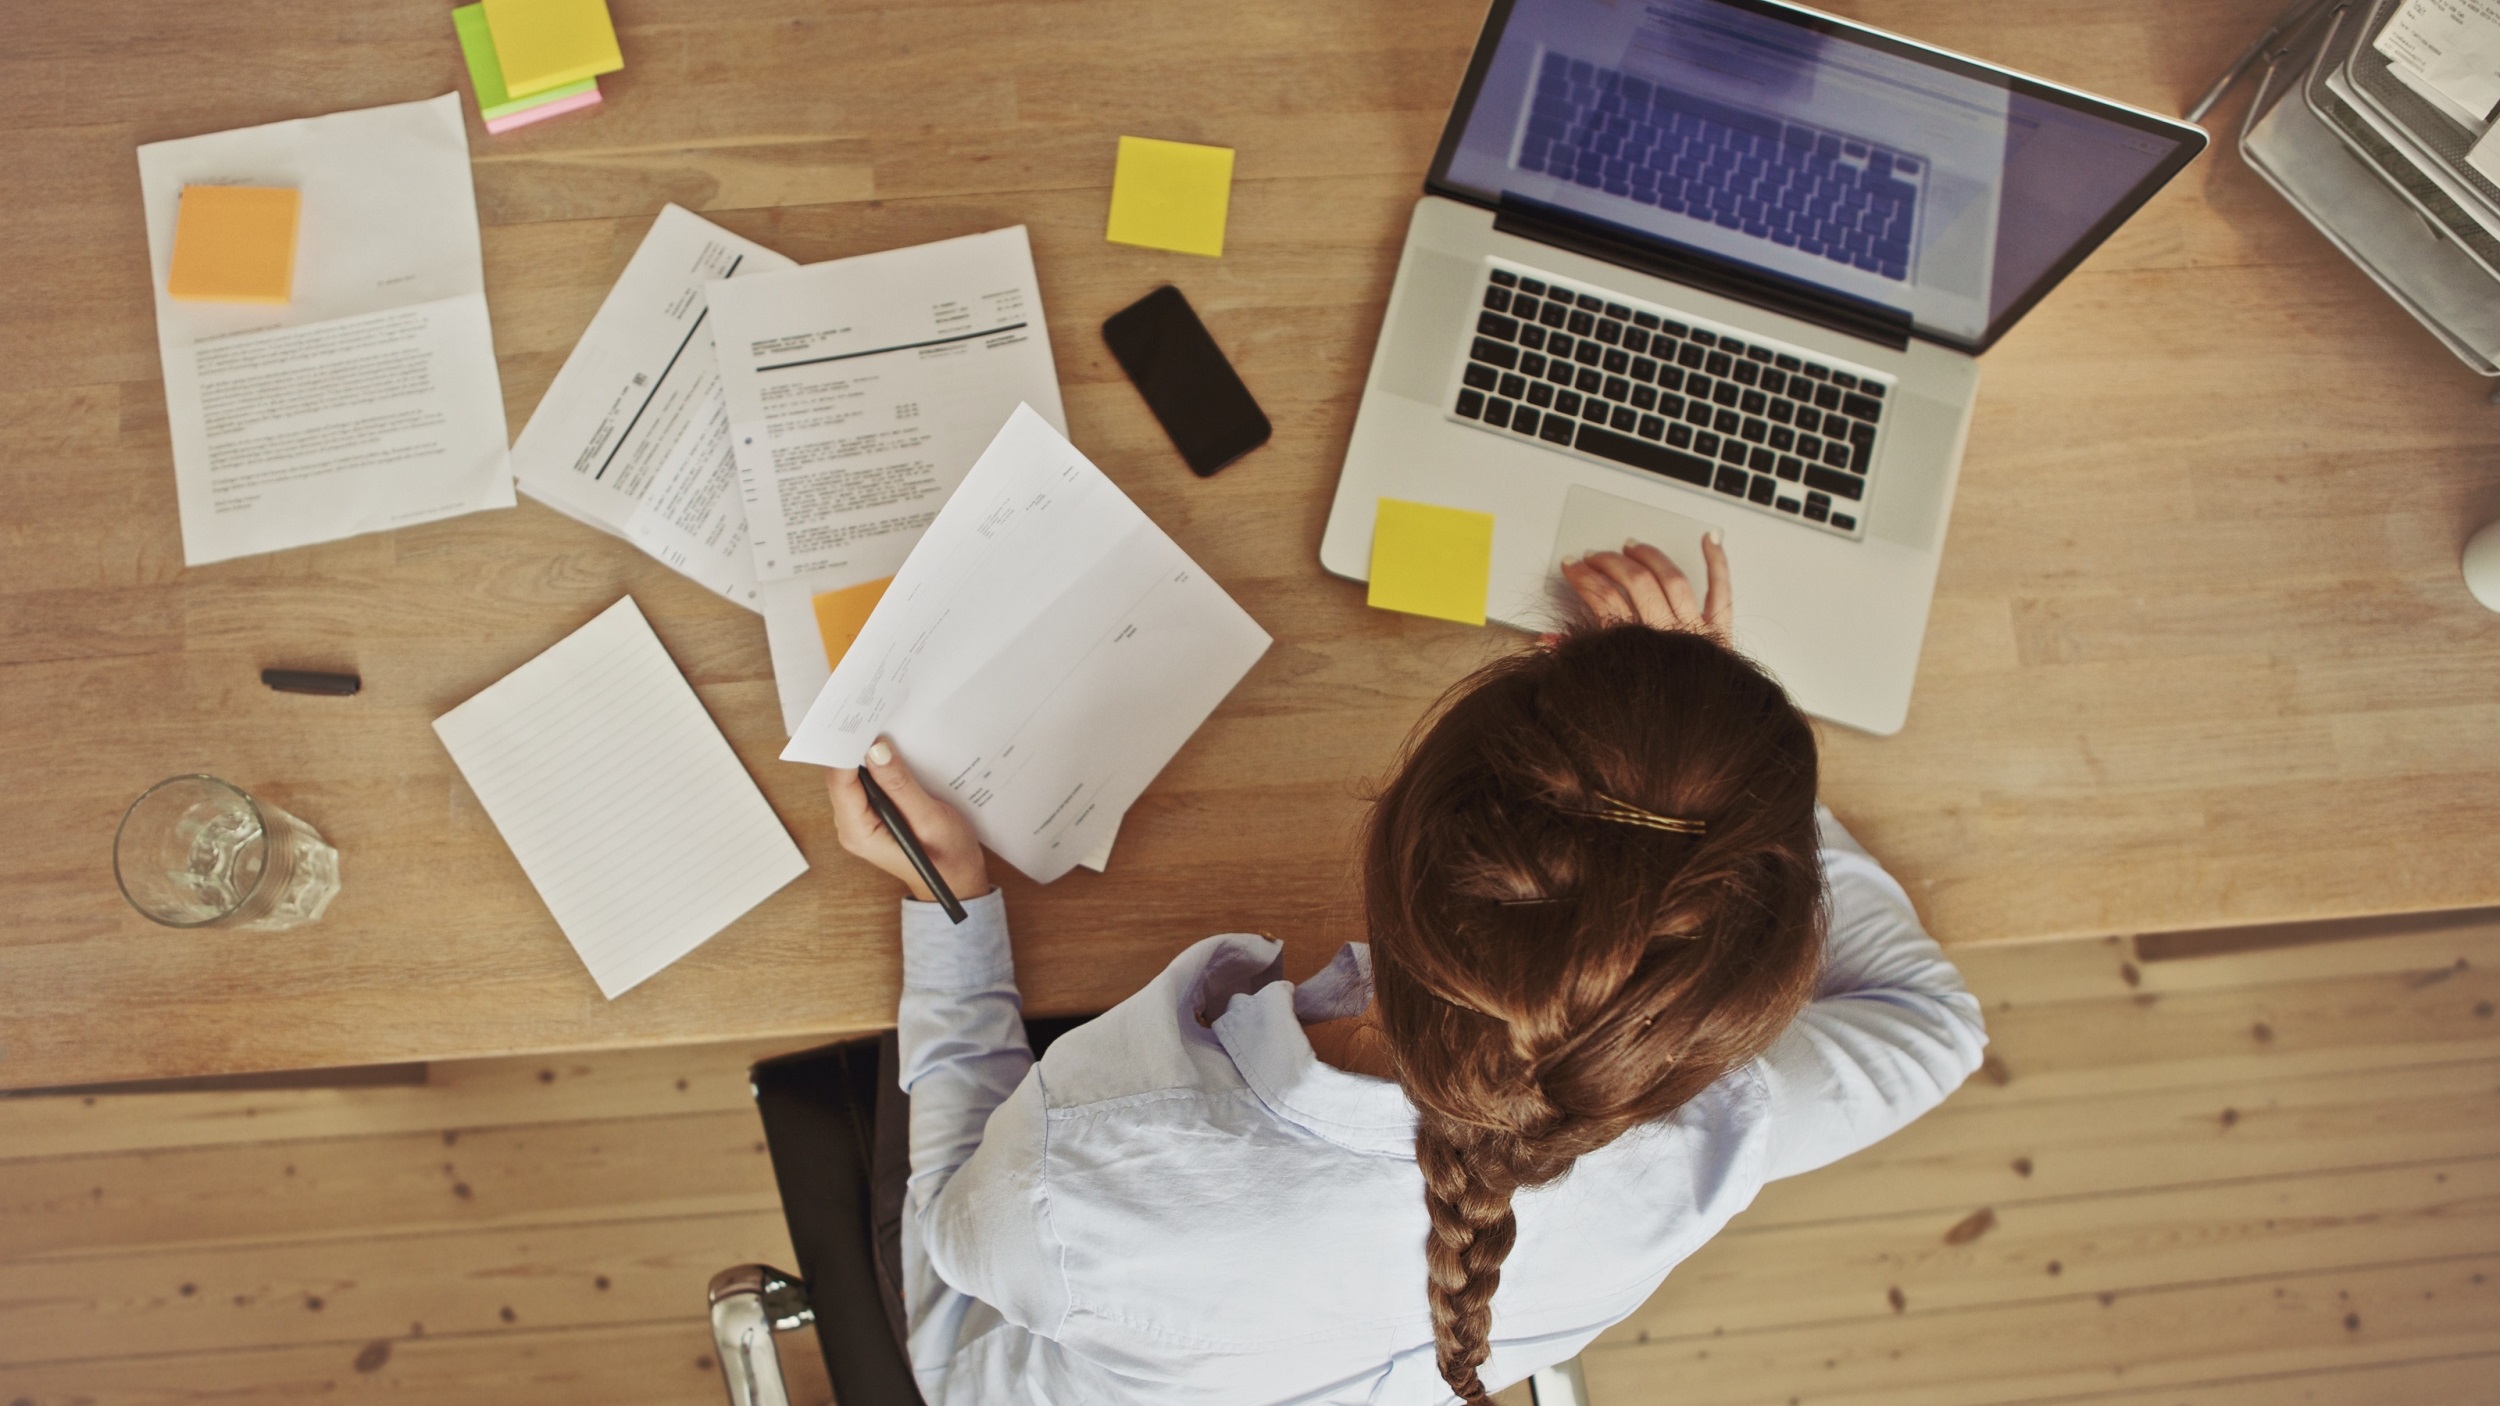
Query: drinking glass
x,y
197,852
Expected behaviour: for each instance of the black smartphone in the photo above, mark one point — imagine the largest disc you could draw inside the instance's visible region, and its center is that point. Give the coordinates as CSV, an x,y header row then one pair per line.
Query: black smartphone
x,y
1159,341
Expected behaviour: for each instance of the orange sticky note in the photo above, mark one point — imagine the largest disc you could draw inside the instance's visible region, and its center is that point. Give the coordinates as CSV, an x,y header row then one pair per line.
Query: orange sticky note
x,y
842,614
234,244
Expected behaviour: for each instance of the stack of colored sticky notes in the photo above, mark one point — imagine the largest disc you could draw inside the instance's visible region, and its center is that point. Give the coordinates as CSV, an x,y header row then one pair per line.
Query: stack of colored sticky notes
x,y
535,59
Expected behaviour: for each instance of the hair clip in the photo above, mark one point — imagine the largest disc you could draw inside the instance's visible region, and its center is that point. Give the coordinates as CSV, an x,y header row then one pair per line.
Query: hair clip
x,y
1531,902
1626,813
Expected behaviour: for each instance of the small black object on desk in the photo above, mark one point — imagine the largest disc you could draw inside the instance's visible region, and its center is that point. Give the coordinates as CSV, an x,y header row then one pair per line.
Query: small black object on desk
x,y
896,826
307,681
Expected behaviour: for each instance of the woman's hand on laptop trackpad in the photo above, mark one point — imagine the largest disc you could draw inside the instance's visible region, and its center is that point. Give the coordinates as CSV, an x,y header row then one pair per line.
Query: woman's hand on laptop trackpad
x,y
1641,585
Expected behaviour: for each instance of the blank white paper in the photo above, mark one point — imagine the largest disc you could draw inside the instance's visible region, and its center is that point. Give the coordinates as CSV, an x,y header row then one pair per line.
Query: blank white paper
x,y
618,794
1040,657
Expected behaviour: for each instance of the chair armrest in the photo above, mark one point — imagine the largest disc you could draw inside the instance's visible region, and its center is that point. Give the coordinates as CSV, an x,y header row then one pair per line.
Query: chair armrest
x,y
750,1303
1559,1385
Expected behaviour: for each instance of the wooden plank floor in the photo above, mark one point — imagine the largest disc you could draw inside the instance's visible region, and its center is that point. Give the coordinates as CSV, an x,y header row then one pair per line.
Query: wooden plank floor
x,y
2260,1177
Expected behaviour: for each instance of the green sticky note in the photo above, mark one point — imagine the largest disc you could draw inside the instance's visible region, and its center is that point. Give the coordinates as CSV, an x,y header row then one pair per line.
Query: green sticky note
x,y
1171,195
494,101
1429,560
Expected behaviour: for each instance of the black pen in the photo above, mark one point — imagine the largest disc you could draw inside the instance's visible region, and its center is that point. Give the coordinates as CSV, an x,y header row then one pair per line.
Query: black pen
x,y
895,825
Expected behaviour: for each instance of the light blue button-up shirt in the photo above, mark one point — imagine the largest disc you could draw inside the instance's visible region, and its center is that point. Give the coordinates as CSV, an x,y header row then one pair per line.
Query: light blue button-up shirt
x,y
1181,1203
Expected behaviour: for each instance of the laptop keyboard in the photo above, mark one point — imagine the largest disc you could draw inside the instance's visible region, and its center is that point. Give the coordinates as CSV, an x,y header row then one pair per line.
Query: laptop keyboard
x,y
1818,191
1578,368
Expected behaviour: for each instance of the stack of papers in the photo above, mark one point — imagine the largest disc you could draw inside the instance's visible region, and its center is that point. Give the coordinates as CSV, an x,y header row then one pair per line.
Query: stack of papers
x,y
2448,51
860,391
784,435
365,396
1041,656
534,59
620,797
633,436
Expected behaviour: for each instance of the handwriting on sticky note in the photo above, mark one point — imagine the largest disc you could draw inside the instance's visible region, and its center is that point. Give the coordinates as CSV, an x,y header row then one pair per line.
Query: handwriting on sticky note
x,y
842,614
1431,560
234,244
1171,195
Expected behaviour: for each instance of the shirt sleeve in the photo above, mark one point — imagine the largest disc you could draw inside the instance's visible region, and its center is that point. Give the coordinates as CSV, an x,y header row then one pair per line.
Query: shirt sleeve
x,y
975,1237
960,1032
1892,1030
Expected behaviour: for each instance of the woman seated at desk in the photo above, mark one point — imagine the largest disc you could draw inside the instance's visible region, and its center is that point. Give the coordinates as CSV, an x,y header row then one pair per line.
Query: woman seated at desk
x,y
1623,970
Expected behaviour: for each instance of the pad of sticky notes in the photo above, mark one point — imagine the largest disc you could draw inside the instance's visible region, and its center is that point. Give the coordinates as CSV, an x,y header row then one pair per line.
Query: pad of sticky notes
x,y
543,44
842,614
1171,195
495,103
234,244
1431,560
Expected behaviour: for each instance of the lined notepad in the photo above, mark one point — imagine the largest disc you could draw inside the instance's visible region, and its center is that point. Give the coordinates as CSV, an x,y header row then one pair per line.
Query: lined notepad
x,y
620,797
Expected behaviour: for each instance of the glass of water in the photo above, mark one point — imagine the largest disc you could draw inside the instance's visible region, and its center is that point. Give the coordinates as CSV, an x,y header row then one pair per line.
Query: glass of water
x,y
197,852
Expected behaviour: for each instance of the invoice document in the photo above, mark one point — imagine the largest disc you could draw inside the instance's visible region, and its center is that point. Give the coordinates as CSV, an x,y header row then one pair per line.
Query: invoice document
x,y
633,435
618,794
1041,656
860,391
371,399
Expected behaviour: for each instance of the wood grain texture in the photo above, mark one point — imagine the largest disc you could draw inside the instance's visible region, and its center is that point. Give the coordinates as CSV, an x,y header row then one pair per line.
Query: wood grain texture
x,y
2200,654
2152,1225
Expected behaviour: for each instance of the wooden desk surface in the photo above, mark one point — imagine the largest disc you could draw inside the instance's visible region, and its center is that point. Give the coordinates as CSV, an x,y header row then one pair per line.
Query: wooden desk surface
x,y
2200,654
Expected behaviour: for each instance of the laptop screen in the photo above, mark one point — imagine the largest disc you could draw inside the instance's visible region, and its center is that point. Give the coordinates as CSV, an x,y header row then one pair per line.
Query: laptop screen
x,y
1858,164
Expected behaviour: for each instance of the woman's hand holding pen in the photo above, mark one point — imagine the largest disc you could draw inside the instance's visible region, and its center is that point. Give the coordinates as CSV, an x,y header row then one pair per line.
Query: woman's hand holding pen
x,y
1639,585
944,835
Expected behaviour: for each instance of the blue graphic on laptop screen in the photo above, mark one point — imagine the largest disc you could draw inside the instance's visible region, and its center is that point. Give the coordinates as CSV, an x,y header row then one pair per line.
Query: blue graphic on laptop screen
x,y
1819,191
1759,134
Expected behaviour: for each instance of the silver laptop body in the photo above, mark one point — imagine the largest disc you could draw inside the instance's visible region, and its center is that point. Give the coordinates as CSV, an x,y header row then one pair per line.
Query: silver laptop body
x,y
1728,264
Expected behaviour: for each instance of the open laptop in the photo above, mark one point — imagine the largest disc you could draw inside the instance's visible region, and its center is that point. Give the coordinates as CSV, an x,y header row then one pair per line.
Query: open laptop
x,y
1694,264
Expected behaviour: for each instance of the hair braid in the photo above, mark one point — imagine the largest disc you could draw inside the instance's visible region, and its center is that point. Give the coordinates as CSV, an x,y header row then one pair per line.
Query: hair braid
x,y
1549,979
1472,1232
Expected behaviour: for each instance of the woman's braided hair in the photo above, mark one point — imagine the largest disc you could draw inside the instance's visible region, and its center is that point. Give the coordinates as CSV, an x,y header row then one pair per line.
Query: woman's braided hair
x,y
1551,977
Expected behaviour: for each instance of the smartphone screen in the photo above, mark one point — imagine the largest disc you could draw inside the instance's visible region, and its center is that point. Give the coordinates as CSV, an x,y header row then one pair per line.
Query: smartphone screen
x,y
1188,384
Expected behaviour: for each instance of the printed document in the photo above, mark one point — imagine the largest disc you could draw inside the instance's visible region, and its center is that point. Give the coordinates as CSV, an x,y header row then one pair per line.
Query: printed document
x,y
368,401
1042,654
633,435
861,390
2449,52
620,797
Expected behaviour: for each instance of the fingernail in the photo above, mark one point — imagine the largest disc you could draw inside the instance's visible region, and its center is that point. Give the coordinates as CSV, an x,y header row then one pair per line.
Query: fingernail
x,y
880,753
1630,542
1714,537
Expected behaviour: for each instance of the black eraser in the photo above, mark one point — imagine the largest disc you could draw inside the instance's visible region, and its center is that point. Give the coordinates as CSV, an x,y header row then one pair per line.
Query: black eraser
x,y
308,681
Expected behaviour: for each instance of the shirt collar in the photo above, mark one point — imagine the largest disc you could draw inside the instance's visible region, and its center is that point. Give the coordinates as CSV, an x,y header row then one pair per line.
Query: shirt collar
x,y
1262,1031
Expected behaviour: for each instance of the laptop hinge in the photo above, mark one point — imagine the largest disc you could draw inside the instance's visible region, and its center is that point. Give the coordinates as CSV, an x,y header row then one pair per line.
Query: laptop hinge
x,y
1855,317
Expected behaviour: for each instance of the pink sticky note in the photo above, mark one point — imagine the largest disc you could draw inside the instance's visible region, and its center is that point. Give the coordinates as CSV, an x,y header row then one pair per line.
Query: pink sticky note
x,y
544,111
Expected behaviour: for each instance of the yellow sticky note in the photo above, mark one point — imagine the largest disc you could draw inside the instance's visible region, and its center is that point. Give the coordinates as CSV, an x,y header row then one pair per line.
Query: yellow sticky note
x,y
842,614
1429,560
1171,195
234,244
542,44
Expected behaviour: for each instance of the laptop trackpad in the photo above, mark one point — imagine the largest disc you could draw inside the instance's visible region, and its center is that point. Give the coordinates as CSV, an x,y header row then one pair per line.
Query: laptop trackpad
x,y
1601,522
